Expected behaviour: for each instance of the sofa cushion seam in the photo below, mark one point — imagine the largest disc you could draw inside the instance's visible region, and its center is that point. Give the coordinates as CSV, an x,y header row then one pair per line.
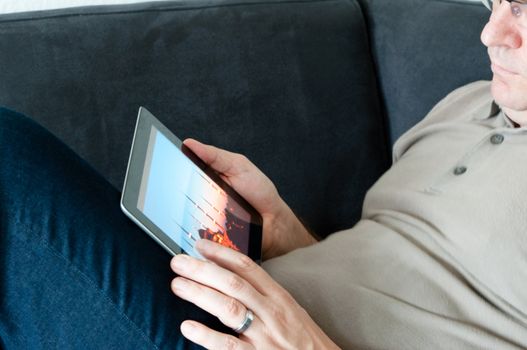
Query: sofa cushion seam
x,y
152,10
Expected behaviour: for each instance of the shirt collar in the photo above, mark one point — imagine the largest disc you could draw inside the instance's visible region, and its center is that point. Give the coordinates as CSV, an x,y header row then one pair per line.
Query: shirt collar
x,y
508,121
494,112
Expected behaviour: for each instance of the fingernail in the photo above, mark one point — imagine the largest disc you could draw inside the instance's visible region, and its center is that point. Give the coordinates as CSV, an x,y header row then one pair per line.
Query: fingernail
x,y
179,262
187,328
180,284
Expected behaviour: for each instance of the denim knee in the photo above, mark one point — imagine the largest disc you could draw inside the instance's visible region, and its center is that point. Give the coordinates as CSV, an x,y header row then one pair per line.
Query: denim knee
x,y
34,161
19,133
13,120
25,142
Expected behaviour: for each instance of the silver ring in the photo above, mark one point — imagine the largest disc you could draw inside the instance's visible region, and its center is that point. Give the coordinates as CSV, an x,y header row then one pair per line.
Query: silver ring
x,y
249,317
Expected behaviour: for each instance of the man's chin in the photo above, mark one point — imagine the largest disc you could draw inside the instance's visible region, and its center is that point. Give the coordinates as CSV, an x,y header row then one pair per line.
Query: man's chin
x,y
508,95
500,90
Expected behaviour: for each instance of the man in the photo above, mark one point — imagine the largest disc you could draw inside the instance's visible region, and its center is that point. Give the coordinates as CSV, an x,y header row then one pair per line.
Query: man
x,y
438,259
506,46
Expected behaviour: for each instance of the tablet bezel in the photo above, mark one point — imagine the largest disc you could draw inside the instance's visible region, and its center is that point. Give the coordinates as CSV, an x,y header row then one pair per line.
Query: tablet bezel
x,y
134,175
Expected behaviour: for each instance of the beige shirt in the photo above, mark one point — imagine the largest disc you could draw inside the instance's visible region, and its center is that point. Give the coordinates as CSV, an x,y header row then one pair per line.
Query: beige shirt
x,y
439,258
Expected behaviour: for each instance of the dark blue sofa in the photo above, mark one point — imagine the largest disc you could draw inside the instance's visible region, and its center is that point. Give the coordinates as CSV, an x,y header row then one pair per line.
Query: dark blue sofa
x,y
315,92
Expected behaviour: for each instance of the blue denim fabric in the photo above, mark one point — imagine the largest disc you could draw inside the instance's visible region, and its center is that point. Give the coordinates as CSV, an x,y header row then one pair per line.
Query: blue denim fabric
x,y
75,273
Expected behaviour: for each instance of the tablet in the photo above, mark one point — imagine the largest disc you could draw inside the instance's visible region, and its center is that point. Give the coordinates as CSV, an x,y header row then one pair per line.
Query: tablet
x,y
175,198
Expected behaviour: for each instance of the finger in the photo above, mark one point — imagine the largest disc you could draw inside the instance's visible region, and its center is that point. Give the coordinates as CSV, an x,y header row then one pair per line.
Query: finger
x,y
240,173
240,264
278,302
228,310
218,159
211,339
217,277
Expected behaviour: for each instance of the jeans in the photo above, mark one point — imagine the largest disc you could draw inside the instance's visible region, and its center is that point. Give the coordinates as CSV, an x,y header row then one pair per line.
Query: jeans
x,y
75,272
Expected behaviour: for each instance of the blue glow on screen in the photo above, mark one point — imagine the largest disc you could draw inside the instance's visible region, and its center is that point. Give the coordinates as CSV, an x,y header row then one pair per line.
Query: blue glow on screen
x,y
187,205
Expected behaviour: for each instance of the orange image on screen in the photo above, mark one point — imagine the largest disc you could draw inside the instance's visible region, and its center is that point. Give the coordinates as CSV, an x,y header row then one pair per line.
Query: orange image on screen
x,y
218,237
185,203
221,220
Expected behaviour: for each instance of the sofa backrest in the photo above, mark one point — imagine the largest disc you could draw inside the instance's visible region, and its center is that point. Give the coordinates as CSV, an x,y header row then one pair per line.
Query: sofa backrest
x,y
423,49
291,84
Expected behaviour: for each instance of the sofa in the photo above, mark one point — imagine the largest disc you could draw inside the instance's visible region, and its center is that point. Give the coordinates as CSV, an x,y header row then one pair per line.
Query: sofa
x,y
314,92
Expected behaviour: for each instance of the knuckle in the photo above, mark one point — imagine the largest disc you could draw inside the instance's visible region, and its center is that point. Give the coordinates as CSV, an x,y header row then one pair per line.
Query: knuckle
x,y
230,343
279,315
241,161
197,267
235,283
233,308
245,263
215,159
220,158
241,158
283,297
287,297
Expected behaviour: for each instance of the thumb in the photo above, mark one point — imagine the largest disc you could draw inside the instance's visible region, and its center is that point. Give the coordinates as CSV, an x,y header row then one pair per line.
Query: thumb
x,y
216,158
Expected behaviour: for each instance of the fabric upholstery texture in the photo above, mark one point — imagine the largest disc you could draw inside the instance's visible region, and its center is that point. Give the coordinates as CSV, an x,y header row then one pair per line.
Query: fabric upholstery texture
x,y
424,49
313,91
288,83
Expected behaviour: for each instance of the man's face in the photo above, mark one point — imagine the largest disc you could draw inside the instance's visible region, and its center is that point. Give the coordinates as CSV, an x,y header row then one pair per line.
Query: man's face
x,y
505,36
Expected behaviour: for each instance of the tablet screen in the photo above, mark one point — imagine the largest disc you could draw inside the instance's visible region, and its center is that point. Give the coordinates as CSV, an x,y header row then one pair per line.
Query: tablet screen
x,y
184,201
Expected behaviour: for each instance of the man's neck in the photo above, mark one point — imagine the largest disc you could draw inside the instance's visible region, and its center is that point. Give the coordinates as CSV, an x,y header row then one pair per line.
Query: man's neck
x,y
518,118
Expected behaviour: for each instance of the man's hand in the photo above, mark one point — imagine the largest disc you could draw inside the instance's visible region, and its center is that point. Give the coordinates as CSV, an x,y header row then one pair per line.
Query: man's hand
x,y
282,231
227,285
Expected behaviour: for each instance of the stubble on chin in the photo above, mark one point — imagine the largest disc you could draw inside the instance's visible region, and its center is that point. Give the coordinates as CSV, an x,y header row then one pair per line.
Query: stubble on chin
x,y
499,88
508,94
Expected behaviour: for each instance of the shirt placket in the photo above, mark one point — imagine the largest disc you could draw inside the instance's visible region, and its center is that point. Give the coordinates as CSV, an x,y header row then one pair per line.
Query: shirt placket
x,y
481,152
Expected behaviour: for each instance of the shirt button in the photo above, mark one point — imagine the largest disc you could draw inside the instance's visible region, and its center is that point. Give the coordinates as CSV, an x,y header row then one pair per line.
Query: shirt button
x,y
496,139
460,170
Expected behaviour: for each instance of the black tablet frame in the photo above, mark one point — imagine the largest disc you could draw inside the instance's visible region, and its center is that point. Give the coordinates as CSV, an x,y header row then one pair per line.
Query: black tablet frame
x,y
134,175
